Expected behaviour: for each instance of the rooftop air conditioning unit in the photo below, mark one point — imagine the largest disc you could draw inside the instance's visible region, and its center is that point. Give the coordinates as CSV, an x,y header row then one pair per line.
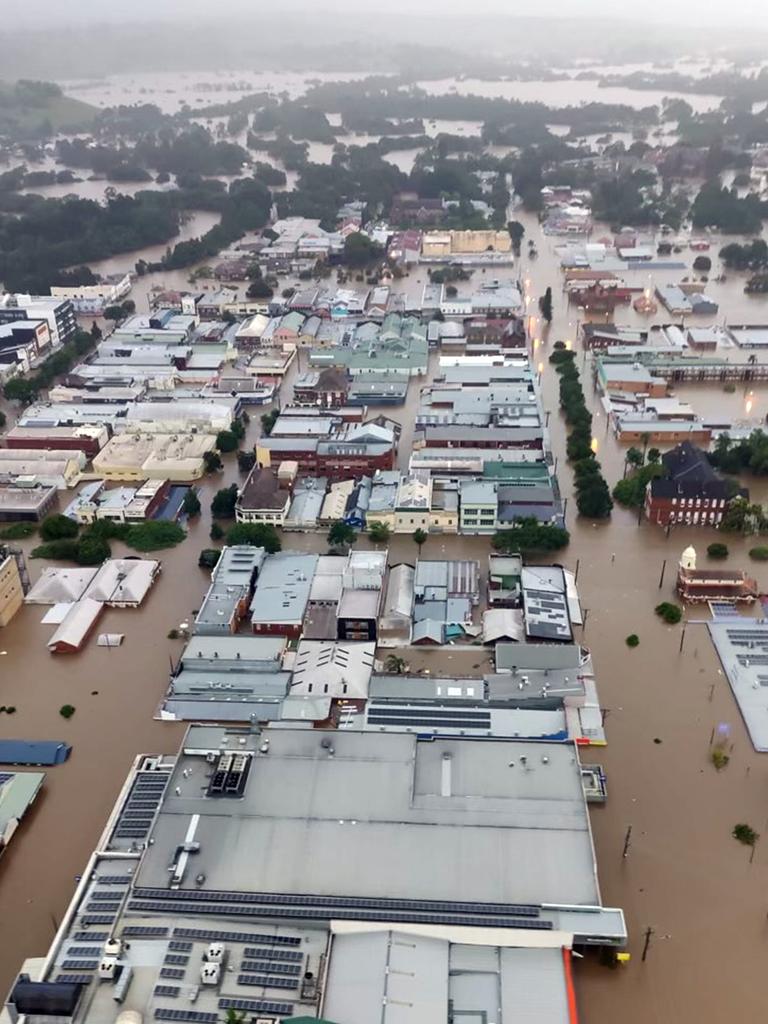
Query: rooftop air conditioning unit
x,y
215,953
108,968
210,974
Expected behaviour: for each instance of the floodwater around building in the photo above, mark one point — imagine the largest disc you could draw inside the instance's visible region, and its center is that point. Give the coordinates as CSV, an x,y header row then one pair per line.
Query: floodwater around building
x,y
684,876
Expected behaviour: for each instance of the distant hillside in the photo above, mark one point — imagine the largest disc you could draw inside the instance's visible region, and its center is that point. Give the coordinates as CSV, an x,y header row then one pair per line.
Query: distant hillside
x,y
30,108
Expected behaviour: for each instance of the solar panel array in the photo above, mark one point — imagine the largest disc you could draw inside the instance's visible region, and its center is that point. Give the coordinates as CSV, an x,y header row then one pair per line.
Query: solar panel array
x,y
108,897
79,965
91,936
258,1006
221,936
194,1016
433,717
102,908
75,979
180,947
268,967
332,902
113,879
310,913
84,951
141,931
261,981
169,991
172,972
177,958
136,817
97,919
273,954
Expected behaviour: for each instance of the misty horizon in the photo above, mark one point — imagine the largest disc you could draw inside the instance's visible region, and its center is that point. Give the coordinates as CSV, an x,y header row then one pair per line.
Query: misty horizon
x,y
740,14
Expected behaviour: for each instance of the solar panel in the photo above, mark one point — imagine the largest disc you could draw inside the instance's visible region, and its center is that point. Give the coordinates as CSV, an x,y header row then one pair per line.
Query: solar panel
x,y
210,933
79,965
176,896
84,951
266,982
113,879
172,972
273,954
182,947
135,931
267,967
259,1005
97,919
103,908
75,979
220,910
171,991
105,897
177,958
196,1016
432,722
91,936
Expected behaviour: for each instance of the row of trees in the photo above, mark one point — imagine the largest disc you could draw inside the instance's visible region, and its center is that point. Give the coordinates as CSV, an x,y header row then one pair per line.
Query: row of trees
x,y
26,389
593,499
749,454
630,491
64,540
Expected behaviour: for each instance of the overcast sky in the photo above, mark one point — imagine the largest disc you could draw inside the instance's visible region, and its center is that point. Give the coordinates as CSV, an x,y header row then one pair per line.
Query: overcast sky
x,y
752,13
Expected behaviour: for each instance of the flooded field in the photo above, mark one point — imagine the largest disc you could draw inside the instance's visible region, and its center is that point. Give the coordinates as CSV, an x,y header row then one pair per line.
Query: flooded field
x,y
566,92
685,876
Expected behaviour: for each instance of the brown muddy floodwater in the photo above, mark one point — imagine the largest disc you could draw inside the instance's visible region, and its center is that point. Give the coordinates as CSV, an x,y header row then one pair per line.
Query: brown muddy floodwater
x,y
685,876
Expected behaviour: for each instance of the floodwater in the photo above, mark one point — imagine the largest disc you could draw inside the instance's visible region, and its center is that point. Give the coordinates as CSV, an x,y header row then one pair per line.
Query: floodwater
x,y
566,92
169,90
684,875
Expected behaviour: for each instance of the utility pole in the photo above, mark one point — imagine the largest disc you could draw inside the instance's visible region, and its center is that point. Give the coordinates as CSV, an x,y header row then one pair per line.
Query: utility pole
x,y
661,578
646,944
576,572
682,637
584,622
627,837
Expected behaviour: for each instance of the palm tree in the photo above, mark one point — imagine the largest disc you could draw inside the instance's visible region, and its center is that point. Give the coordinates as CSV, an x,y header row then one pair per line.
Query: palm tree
x,y
378,532
419,537
395,664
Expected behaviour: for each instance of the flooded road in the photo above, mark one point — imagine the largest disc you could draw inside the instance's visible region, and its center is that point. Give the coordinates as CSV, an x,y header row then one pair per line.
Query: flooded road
x,y
684,876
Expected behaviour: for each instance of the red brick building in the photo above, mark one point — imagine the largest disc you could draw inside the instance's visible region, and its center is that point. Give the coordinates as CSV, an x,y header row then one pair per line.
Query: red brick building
x,y
690,492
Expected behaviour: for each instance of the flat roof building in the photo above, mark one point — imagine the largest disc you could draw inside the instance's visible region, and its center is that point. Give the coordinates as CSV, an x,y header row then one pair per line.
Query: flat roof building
x,y
281,594
206,856
228,597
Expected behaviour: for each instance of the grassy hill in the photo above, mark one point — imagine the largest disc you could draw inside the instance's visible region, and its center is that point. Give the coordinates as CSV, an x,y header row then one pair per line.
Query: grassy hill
x,y
28,108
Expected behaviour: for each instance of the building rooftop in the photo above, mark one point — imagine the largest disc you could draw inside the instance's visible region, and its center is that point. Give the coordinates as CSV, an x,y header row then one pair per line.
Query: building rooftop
x,y
282,589
332,668
262,490
230,855
742,646
532,820
391,977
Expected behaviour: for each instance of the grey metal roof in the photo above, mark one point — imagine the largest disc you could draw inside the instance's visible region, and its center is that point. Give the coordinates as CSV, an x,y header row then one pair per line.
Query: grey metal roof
x,y
525,833
282,589
538,656
742,646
